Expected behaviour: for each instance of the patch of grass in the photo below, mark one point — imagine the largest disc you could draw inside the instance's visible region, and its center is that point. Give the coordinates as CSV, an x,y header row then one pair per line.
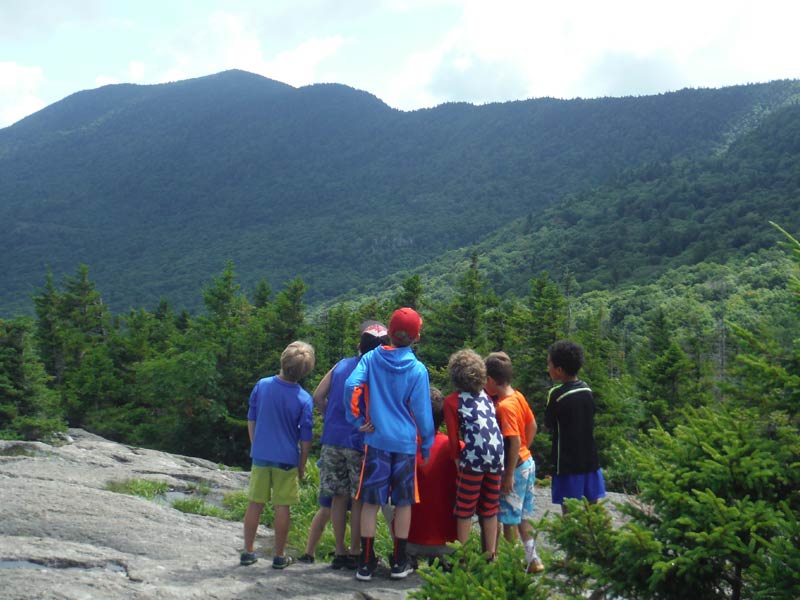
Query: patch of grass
x,y
235,504
146,488
222,467
303,512
201,488
197,506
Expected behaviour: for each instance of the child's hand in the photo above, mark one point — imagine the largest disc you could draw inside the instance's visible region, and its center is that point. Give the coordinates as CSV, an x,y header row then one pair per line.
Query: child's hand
x,y
507,485
367,428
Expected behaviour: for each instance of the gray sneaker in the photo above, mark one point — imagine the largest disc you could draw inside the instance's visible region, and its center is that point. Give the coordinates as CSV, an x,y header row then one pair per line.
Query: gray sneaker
x,y
401,570
247,558
281,562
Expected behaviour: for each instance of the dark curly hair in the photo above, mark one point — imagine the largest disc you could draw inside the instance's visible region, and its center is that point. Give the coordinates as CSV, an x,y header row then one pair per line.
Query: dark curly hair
x,y
567,355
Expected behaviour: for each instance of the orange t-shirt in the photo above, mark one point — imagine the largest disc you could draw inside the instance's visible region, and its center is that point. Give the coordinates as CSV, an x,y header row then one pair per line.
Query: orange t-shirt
x,y
514,414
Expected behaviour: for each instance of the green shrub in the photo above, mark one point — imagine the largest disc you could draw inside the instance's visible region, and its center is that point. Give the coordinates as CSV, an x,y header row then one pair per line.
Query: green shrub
x,y
473,578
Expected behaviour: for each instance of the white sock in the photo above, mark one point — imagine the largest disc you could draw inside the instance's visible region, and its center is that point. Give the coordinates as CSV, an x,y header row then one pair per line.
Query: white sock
x,y
530,550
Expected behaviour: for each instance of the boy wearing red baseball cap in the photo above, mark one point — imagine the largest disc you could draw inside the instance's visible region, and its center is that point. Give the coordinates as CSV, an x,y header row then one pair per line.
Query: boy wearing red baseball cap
x,y
389,394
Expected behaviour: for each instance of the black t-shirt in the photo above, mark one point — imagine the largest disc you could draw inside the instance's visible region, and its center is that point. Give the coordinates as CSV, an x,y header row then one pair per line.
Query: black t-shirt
x,y
570,418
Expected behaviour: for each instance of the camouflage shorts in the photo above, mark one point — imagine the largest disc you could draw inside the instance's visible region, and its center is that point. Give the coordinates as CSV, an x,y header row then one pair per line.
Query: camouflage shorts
x,y
339,471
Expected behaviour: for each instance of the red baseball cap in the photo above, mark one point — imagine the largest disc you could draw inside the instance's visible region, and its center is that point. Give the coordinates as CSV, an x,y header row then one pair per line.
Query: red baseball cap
x,y
406,320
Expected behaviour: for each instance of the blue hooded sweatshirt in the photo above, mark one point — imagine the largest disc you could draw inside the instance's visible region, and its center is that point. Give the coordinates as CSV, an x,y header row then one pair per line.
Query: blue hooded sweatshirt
x,y
389,388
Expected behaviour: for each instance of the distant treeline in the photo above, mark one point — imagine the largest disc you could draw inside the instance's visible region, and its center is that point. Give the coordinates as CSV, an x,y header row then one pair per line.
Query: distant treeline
x,y
697,380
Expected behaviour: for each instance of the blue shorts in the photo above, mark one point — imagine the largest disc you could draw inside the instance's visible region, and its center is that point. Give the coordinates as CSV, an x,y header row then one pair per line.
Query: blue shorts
x,y
325,501
388,472
582,485
518,505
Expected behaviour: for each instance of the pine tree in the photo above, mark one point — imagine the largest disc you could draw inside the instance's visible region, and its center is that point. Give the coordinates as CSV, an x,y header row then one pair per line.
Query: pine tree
x,y
28,408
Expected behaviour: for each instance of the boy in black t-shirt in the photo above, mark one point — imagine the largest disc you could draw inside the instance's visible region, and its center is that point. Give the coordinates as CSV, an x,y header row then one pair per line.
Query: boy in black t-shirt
x,y
570,418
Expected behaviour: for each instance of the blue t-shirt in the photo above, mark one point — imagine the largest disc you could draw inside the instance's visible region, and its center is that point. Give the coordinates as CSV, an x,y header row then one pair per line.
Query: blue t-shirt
x,y
337,430
283,416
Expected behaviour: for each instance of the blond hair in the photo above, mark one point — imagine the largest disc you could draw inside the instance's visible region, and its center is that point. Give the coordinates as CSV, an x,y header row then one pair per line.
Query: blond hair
x,y
297,361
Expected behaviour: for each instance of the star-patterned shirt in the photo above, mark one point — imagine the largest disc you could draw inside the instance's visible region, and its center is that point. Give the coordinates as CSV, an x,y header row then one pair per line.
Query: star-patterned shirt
x,y
472,418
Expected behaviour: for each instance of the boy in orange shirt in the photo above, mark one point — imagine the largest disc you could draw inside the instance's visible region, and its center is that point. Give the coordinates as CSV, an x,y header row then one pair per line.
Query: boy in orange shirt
x,y
519,477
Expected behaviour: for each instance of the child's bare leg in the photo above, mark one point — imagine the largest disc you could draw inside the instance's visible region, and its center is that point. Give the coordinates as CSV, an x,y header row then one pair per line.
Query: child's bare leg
x,y
317,527
525,531
463,529
251,518
281,527
369,516
339,521
490,534
510,532
402,521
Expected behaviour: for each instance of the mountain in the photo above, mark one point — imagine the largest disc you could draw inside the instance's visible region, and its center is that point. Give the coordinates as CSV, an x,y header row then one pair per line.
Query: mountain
x,y
155,187
647,220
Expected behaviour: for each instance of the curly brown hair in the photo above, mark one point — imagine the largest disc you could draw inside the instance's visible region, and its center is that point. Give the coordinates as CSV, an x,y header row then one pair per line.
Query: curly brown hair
x,y
467,371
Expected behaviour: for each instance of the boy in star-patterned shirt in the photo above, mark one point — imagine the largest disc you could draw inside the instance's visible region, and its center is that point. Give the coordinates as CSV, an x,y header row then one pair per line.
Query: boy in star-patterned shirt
x,y
469,414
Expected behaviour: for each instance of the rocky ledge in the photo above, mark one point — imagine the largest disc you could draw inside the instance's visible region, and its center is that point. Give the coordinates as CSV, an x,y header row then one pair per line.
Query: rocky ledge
x,y
64,536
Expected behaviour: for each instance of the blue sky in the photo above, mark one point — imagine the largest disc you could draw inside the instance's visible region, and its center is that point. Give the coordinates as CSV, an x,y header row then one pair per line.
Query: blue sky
x,y
409,53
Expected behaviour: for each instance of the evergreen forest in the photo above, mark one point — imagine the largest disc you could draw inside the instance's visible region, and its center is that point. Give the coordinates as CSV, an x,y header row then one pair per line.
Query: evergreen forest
x,y
674,261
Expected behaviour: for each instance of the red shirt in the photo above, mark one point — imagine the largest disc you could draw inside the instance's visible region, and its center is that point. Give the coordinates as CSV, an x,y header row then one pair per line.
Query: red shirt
x,y
432,520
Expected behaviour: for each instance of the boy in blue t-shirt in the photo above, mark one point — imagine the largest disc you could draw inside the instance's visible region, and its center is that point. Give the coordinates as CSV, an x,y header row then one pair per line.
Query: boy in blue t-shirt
x,y
342,452
389,395
280,416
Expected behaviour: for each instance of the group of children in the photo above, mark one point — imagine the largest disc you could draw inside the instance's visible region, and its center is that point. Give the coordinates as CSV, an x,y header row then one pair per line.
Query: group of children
x,y
380,443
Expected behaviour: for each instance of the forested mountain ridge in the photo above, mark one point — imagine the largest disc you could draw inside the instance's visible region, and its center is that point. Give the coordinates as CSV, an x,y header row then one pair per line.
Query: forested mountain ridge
x,y
648,219
155,187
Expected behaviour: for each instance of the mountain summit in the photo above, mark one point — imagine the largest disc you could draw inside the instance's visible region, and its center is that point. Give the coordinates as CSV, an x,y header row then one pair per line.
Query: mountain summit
x,y
156,187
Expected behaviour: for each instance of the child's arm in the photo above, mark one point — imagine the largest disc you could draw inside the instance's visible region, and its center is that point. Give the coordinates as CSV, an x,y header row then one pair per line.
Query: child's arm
x,y
451,423
305,450
511,458
420,402
531,428
321,392
530,432
354,391
251,429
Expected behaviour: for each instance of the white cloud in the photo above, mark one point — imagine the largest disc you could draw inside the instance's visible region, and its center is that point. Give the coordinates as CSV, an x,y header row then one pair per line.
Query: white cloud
x,y
299,65
136,71
229,42
102,80
18,92
509,49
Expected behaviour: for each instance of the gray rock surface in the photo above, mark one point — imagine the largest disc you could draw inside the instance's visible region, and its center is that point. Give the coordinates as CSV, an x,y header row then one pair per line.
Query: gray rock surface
x,y
64,536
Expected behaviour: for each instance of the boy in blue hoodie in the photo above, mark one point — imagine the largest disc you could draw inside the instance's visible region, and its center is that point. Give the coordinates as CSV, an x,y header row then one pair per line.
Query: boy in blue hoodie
x,y
389,395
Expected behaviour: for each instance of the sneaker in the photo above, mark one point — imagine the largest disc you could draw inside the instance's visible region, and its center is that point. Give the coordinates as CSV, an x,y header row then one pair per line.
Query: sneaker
x,y
247,558
344,561
306,558
281,562
365,571
401,570
535,566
